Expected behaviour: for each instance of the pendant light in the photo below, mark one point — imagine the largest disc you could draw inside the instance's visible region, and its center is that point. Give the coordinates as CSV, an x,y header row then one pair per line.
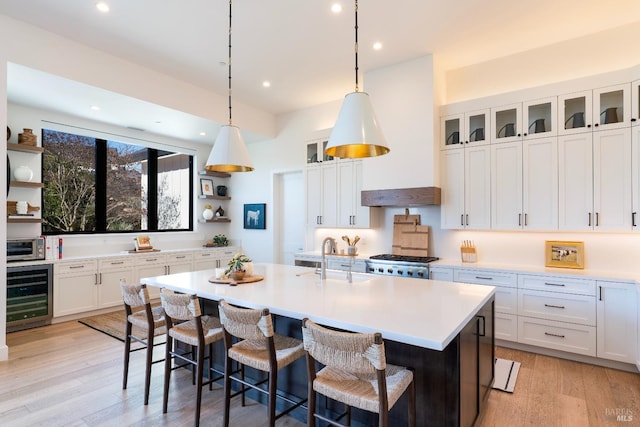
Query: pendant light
x,y
229,153
356,133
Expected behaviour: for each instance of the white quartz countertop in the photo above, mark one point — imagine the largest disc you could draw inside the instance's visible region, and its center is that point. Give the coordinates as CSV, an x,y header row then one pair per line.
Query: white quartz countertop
x,y
424,313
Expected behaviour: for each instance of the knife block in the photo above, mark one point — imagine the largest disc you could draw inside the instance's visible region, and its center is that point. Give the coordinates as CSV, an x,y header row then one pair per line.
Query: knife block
x,y
468,254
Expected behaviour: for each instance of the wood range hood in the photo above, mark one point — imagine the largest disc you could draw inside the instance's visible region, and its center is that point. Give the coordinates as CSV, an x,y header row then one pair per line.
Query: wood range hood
x,y
401,197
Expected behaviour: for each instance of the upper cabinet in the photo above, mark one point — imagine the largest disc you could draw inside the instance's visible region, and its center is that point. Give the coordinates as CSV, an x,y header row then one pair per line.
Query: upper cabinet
x,y
527,120
315,150
465,129
635,103
594,110
506,123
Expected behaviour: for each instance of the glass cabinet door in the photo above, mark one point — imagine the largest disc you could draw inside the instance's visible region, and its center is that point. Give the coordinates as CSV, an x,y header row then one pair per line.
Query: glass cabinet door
x,y
451,131
477,127
506,123
539,117
612,107
635,103
574,113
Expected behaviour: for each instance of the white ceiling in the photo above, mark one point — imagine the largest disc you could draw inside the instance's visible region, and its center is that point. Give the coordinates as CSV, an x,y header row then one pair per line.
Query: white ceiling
x,y
300,46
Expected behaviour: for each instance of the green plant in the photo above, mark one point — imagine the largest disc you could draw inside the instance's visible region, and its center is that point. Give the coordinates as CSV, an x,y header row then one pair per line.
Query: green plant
x,y
220,240
237,263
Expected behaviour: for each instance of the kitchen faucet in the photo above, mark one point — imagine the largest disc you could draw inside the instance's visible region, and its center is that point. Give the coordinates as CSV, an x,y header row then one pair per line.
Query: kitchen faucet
x,y
332,249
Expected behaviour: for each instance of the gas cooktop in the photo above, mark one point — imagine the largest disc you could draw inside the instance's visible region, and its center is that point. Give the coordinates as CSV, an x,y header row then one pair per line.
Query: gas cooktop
x,y
404,258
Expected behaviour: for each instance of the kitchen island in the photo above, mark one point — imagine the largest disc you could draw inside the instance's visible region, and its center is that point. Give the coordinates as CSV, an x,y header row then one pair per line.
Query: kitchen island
x,y
443,330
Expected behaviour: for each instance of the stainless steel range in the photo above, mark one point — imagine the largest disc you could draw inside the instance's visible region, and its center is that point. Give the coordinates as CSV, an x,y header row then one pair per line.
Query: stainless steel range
x,y
400,265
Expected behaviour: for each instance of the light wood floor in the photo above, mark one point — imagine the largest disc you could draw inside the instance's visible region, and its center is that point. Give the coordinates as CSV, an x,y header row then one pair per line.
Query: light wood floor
x,y
70,375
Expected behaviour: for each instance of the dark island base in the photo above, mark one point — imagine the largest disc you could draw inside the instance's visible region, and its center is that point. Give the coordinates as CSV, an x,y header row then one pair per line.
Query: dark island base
x,y
451,385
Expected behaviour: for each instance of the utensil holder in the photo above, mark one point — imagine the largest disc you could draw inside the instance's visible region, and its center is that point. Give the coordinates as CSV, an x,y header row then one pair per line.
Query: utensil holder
x,y
468,254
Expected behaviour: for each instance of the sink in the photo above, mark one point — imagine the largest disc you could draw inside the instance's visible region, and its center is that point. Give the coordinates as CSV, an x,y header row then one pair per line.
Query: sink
x,y
338,275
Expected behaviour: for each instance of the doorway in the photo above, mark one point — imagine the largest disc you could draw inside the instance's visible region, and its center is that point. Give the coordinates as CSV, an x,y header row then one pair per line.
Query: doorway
x,y
290,218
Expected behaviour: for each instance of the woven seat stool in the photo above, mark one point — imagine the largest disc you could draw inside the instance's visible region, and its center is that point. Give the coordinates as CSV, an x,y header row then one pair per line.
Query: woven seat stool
x,y
140,313
355,373
186,324
258,347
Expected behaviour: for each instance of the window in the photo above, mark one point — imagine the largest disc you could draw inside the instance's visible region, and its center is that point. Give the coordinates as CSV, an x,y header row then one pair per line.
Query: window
x,y
94,185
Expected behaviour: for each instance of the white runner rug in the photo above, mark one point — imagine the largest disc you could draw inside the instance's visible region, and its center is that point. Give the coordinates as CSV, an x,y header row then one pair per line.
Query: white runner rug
x,y
506,374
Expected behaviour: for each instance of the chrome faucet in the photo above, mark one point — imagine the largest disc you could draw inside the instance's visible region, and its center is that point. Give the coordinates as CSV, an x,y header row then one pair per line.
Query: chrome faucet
x,y
332,249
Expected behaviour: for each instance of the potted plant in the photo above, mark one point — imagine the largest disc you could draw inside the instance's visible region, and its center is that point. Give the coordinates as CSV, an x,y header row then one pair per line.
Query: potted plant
x,y
220,240
236,266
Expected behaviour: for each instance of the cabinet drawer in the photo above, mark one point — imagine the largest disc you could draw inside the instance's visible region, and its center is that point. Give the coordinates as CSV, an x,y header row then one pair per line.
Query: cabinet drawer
x,y
569,337
116,263
506,300
481,277
557,284
75,267
556,306
180,257
151,259
506,327
441,273
205,255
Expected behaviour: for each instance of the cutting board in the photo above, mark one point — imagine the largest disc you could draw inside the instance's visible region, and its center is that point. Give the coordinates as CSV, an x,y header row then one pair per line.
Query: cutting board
x,y
410,238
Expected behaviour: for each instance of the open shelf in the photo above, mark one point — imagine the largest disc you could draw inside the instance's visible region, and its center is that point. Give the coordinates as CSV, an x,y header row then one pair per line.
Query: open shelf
x,y
24,220
24,148
203,196
205,221
216,174
27,184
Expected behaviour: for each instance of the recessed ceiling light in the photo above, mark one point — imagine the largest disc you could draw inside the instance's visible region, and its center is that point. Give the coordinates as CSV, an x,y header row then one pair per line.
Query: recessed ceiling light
x,y
102,7
266,83
336,8
377,46
95,108
203,134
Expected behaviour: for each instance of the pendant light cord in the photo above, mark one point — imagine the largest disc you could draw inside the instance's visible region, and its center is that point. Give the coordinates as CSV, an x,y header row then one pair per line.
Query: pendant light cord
x,y
229,62
356,46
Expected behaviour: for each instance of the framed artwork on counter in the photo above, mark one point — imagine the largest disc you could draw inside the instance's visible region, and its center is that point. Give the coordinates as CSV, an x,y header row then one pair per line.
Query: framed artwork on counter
x,y
564,254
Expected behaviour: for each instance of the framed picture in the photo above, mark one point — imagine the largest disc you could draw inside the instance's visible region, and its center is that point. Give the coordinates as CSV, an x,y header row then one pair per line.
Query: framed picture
x,y
206,187
254,216
564,254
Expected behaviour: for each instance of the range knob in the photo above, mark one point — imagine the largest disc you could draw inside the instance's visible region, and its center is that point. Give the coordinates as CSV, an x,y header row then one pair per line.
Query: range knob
x,y
409,273
421,273
400,272
390,270
380,270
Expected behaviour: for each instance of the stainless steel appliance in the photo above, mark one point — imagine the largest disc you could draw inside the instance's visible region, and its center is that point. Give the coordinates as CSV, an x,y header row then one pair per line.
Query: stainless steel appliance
x,y
28,249
29,296
400,265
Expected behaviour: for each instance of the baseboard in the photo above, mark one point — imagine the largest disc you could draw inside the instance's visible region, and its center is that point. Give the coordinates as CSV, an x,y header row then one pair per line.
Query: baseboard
x,y
629,367
82,315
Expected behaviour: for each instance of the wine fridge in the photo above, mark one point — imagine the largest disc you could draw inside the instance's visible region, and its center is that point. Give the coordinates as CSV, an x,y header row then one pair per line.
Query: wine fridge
x,y
29,296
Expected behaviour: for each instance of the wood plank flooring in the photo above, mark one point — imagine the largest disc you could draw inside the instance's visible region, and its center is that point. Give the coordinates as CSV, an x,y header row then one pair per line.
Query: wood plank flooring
x,y
70,375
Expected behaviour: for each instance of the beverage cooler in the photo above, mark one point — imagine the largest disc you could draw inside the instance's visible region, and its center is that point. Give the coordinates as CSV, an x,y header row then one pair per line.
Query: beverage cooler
x,y
29,296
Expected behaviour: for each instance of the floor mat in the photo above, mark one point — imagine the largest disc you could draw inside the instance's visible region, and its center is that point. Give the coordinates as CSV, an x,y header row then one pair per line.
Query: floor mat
x,y
506,374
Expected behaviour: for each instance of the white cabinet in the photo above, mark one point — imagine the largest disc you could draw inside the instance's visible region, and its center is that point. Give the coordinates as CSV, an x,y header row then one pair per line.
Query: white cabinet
x,y
506,301
595,180
75,287
524,185
617,321
466,193
322,186
345,263
539,116
351,213
468,128
635,103
180,262
441,273
575,112
110,272
612,107
635,173
213,258
150,266
506,123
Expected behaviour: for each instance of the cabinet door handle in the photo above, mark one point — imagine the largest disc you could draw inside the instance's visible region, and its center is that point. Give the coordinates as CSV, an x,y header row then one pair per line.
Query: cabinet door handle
x,y
96,279
633,219
467,219
484,278
484,324
589,219
116,262
554,306
525,220
181,257
554,335
73,267
597,219
519,220
462,220
554,284
600,296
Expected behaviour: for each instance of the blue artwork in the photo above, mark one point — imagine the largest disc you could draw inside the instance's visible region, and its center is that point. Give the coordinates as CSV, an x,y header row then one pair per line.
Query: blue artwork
x,y
254,216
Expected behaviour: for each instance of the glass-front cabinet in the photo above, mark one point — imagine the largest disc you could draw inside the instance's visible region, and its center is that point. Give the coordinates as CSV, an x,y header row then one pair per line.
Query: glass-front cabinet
x,y
539,117
469,128
506,123
575,112
635,103
612,107
315,151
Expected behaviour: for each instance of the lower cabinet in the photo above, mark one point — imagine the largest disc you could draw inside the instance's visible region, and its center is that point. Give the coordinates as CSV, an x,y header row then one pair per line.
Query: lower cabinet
x,y
477,351
110,272
617,321
75,287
